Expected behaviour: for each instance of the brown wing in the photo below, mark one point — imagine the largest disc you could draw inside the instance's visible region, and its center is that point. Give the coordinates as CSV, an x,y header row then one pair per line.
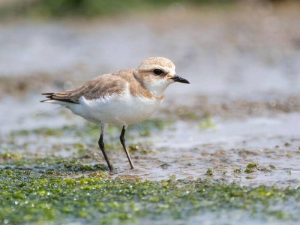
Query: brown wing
x,y
101,86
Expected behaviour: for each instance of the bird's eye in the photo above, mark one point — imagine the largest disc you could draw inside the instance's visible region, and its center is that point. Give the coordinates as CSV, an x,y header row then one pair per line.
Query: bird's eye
x,y
158,71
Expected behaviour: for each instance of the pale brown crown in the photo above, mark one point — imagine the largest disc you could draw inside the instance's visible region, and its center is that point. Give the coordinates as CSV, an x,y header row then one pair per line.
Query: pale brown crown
x,y
157,62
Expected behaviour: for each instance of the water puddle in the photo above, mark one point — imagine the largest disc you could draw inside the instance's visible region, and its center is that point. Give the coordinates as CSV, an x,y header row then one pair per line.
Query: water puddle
x,y
188,151
185,149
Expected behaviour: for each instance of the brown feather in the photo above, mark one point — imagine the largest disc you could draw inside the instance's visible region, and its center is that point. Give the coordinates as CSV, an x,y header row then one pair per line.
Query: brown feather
x,y
101,86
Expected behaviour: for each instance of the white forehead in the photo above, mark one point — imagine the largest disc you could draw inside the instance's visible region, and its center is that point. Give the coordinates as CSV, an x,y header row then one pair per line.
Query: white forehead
x,y
158,63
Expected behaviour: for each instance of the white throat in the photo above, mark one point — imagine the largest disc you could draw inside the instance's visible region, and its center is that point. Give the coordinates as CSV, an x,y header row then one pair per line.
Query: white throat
x,y
157,87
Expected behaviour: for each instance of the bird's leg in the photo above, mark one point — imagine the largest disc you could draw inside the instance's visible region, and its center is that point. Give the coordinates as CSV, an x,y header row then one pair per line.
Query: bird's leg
x,y
101,146
122,139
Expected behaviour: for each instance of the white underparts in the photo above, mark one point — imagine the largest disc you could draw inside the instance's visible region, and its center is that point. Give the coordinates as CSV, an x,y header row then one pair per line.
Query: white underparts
x,y
120,109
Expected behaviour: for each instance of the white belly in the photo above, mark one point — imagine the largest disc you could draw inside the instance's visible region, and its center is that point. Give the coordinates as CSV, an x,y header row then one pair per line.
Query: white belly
x,y
117,109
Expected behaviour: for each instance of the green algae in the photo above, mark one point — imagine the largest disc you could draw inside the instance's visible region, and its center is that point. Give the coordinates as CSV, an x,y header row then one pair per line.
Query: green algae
x,y
184,113
207,122
34,197
88,129
53,165
251,167
10,156
209,172
92,8
83,138
54,190
147,127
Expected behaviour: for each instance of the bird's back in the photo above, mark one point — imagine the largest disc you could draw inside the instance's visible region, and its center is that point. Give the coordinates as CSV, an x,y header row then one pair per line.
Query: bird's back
x,y
101,86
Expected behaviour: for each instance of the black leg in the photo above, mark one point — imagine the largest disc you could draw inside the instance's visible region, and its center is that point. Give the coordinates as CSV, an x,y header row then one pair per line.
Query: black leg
x,y
101,146
122,139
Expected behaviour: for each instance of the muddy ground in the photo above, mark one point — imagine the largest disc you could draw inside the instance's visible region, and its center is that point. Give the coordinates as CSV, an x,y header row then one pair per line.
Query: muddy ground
x,y
237,122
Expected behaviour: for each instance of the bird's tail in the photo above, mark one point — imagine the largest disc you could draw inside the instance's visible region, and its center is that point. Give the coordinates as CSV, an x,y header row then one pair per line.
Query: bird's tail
x,y
58,98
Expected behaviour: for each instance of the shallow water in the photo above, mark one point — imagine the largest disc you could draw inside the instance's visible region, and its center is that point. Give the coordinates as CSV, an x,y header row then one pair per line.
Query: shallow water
x,y
188,151
183,148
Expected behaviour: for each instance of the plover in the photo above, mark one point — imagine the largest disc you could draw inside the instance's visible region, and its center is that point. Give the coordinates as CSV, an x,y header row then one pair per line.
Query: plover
x,y
121,98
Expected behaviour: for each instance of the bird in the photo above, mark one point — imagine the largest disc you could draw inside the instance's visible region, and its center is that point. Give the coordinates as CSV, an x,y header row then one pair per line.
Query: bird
x,y
120,98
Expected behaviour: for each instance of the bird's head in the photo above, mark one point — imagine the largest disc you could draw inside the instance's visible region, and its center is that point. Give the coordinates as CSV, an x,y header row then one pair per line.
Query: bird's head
x,y
157,73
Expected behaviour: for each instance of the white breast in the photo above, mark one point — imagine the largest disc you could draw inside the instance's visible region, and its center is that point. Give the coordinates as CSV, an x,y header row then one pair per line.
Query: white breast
x,y
121,109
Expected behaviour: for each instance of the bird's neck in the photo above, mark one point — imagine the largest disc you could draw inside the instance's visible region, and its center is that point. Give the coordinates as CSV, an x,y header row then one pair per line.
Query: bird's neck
x,y
155,89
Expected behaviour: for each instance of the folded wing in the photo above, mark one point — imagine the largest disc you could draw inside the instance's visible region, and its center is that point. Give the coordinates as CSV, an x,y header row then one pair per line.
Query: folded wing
x,y
99,87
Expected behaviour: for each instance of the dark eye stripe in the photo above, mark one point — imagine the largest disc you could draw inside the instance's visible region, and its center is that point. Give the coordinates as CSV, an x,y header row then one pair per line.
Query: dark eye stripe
x,y
158,72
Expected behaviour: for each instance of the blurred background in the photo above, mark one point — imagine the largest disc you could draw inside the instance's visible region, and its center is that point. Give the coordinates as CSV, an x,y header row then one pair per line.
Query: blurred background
x,y
228,48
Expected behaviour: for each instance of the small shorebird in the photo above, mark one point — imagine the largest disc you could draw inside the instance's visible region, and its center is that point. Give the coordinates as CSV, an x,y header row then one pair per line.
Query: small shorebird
x,y
121,98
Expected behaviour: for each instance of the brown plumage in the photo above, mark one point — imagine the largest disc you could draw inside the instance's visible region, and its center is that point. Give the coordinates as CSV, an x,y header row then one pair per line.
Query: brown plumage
x,y
101,86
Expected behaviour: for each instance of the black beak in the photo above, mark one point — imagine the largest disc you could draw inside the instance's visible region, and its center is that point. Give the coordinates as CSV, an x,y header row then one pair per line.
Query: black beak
x,y
180,79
